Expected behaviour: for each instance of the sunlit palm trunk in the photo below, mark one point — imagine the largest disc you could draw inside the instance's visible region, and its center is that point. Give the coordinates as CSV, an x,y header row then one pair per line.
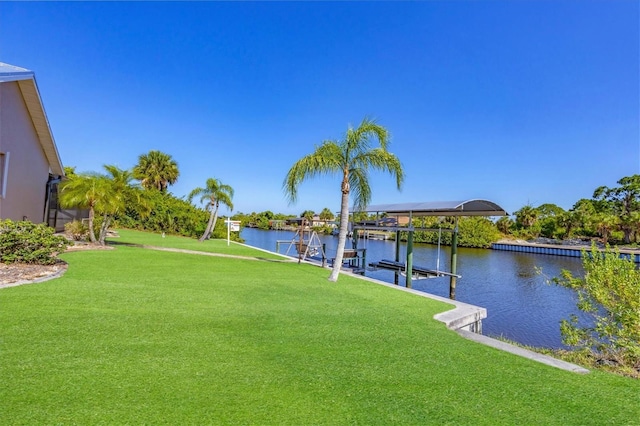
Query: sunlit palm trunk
x,y
92,235
215,219
106,221
342,236
209,227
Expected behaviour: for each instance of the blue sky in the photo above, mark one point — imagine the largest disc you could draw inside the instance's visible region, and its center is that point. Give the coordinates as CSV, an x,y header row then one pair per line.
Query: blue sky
x,y
517,102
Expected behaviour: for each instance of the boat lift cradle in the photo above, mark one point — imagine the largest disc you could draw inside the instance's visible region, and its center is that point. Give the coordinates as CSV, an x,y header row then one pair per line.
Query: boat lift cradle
x,y
417,272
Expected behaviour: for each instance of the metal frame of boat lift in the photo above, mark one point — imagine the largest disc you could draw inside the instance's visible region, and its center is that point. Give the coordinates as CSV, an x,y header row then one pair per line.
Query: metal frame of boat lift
x,y
475,207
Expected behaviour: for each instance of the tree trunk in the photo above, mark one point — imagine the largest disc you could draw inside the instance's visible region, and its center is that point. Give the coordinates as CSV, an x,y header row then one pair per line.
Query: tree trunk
x,y
92,235
106,221
342,236
207,231
215,219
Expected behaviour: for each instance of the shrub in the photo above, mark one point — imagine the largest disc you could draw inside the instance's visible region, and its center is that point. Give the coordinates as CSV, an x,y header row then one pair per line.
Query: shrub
x,y
169,214
610,294
324,229
478,232
76,230
26,242
220,231
505,225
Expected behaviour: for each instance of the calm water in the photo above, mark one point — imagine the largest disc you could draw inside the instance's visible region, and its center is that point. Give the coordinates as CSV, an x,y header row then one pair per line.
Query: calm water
x,y
521,306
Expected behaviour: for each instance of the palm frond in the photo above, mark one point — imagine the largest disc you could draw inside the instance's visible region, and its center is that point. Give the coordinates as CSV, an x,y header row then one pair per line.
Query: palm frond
x,y
156,170
359,139
195,192
214,192
360,189
224,199
382,160
326,159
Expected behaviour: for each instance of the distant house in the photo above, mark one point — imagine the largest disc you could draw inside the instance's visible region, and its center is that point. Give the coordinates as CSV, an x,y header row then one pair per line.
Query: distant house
x,y
30,166
315,222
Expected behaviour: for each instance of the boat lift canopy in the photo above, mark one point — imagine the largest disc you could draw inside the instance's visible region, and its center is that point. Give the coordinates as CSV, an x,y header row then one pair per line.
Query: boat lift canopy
x,y
439,208
474,207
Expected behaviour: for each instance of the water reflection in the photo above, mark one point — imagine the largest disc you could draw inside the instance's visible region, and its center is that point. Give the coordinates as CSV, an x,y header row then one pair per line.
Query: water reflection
x,y
521,305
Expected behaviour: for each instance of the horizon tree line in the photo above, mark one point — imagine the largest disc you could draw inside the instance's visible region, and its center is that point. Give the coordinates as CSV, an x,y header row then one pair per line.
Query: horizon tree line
x,y
612,214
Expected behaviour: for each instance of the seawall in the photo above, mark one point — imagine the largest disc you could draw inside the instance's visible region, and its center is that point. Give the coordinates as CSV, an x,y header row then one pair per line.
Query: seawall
x,y
557,250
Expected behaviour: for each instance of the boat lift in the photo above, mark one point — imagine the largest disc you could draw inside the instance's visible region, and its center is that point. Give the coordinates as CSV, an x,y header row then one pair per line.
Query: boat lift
x,y
406,212
417,273
306,246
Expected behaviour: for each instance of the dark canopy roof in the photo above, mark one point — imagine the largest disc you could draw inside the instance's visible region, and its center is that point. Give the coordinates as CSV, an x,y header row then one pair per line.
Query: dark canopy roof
x,y
440,208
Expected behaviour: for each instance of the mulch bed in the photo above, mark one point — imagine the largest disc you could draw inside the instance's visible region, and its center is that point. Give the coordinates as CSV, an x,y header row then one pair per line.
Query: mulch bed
x,y
20,273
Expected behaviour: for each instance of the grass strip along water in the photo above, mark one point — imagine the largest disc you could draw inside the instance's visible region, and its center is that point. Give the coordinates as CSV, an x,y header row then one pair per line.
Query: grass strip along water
x,y
131,336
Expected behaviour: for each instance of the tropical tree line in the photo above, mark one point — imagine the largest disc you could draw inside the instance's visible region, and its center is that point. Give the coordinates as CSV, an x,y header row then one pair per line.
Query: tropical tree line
x,y
138,199
268,220
612,214
260,220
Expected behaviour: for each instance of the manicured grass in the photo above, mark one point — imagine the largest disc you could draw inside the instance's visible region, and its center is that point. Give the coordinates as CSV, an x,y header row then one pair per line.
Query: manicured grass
x,y
133,336
127,236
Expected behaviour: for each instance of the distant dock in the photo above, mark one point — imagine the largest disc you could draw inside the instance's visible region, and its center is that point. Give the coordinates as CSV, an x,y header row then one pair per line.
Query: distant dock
x,y
557,250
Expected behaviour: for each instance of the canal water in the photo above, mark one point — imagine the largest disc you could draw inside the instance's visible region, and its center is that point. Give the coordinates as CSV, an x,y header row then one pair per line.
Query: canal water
x,y
521,305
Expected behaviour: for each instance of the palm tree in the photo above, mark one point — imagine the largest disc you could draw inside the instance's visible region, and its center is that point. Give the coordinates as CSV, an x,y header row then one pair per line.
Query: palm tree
x,y
326,214
124,193
86,191
156,170
605,224
504,224
350,158
106,195
527,216
308,216
215,192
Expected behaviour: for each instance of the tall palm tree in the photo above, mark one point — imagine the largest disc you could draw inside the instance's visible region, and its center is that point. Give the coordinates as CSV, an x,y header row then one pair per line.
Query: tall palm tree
x,y
156,170
214,193
350,158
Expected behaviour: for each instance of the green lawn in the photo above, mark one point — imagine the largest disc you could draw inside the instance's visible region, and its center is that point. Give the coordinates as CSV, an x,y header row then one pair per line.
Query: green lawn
x,y
133,336
127,236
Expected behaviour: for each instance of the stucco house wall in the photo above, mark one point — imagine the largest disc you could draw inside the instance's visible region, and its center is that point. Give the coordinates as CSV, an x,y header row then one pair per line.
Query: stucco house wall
x,y
27,169
29,160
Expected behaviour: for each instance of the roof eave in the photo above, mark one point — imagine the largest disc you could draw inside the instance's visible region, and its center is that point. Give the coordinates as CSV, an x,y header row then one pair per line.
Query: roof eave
x,y
33,101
